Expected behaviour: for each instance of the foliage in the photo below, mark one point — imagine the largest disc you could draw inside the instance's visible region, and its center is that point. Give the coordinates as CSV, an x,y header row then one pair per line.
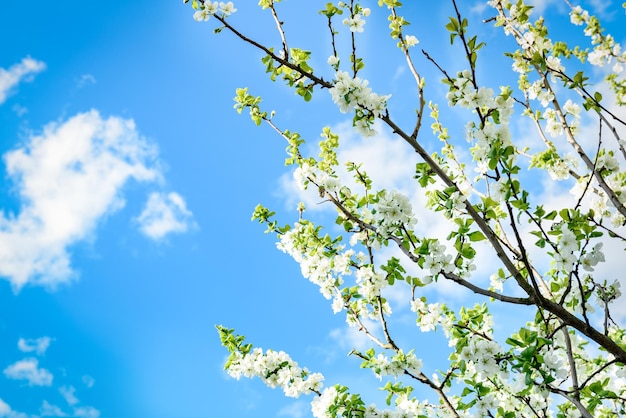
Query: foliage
x,y
568,358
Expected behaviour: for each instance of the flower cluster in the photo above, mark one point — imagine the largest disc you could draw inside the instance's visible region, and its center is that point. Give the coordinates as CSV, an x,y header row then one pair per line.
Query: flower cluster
x,y
578,16
494,132
555,363
566,247
436,261
305,173
276,369
332,403
463,93
431,315
395,366
554,124
356,22
498,190
605,50
393,211
207,9
370,283
607,293
321,404
536,91
353,93
593,257
483,355
486,139
322,270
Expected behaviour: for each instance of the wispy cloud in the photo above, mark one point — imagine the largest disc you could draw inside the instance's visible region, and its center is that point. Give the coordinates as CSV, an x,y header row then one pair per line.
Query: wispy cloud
x,y
28,369
49,410
602,8
540,6
348,338
86,412
298,409
68,394
7,412
85,80
478,8
39,345
69,178
19,110
383,157
23,71
88,381
163,215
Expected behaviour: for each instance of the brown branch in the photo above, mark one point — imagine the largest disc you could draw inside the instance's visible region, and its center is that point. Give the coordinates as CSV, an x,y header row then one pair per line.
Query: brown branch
x,y
316,80
479,290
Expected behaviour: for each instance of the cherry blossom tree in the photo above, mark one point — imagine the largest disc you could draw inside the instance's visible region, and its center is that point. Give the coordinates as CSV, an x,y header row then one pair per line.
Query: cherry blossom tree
x,y
485,182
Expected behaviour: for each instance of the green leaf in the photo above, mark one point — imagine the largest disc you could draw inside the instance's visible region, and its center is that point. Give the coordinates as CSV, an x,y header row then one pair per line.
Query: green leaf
x,y
476,236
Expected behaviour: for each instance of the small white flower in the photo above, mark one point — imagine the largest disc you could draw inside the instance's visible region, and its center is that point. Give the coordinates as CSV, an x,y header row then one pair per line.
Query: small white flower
x,y
201,15
355,23
554,63
333,60
410,40
211,7
578,16
227,8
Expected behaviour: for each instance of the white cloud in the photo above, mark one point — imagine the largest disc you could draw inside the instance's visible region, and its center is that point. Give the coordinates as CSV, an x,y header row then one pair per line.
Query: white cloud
x,y
4,408
88,381
19,110
348,338
7,412
540,6
39,345
69,178
86,412
28,369
478,8
85,80
383,157
49,410
16,73
600,8
164,214
68,394
297,409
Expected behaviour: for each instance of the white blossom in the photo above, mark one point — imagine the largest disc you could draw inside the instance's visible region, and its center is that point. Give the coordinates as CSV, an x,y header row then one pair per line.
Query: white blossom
x,y
227,8
410,40
355,23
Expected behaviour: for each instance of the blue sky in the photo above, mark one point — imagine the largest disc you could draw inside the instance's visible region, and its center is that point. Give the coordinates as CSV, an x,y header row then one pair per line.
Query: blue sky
x,y
128,186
